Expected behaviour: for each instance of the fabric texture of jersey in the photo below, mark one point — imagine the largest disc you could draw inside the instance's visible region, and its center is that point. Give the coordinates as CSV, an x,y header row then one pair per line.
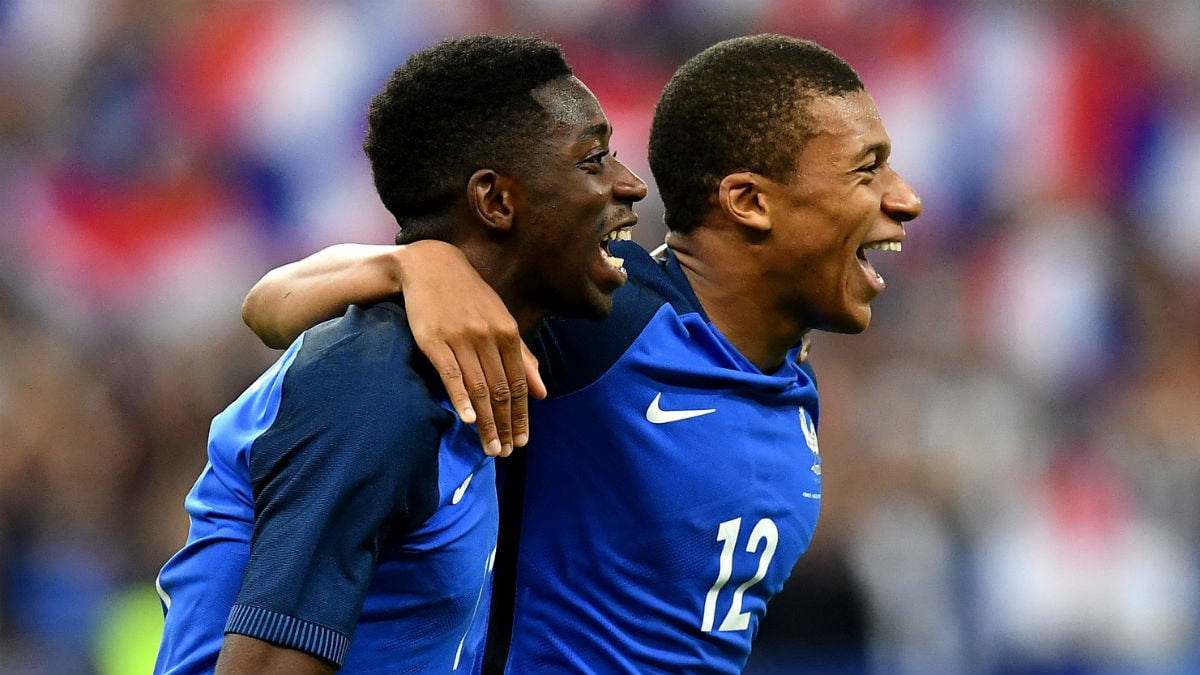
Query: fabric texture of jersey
x,y
670,487
376,513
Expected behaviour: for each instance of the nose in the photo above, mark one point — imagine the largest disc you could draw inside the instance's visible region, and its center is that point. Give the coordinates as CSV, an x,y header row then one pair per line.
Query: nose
x,y
629,186
901,202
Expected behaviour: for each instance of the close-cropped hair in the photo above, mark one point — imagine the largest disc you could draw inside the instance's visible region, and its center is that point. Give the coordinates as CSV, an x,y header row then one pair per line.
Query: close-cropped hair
x,y
459,106
740,105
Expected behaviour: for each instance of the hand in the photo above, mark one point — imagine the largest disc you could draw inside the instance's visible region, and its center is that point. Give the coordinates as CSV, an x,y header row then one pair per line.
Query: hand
x,y
465,330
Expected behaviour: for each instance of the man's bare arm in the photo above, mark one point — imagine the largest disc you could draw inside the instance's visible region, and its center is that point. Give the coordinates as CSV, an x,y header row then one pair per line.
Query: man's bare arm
x,y
460,324
295,297
244,655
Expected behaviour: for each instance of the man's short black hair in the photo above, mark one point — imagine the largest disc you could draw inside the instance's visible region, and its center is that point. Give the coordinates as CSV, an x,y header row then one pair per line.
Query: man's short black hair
x,y
740,105
450,110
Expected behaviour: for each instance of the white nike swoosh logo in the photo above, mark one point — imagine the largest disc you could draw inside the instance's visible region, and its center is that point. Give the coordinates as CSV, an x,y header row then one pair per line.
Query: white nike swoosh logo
x,y
656,415
458,493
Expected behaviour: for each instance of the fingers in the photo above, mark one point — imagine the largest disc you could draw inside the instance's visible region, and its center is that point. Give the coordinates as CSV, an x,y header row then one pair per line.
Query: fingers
x,y
444,361
501,397
527,381
533,378
467,386
493,396
473,341
485,378
514,373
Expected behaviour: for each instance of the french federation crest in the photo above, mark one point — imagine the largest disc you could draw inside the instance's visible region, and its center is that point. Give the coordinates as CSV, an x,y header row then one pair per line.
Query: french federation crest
x,y
810,438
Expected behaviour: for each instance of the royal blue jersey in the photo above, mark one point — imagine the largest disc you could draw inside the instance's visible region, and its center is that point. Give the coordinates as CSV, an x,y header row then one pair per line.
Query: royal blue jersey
x,y
669,489
344,512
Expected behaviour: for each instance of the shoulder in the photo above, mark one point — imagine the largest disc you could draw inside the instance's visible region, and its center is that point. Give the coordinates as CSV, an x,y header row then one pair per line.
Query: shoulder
x,y
367,355
358,393
374,332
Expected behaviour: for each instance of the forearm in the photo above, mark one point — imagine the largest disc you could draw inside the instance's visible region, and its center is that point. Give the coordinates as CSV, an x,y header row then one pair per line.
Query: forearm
x,y
249,656
299,295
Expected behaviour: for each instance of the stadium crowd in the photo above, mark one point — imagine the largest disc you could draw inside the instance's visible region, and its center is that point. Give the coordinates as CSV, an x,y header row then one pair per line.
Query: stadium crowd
x,y
1011,453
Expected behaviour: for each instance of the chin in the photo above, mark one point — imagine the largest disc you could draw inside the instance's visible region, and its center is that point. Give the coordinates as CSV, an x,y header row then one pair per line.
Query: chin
x,y
595,306
599,299
851,324
598,309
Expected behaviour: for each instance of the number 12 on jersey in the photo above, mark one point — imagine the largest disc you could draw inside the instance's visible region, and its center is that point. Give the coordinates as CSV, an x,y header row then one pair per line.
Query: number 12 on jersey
x,y
764,534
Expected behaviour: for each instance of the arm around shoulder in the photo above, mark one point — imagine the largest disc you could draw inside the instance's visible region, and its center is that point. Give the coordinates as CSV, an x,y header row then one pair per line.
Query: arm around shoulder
x,y
459,322
297,296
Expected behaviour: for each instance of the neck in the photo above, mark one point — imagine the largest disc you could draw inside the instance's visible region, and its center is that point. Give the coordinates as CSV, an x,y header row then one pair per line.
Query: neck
x,y
492,255
528,318
734,293
496,269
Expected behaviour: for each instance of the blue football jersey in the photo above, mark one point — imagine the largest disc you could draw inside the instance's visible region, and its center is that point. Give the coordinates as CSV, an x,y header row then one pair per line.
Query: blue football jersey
x,y
668,490
344,512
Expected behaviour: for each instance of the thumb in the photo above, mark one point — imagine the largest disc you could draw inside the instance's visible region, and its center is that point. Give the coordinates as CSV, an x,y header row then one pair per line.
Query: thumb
x,y
533,378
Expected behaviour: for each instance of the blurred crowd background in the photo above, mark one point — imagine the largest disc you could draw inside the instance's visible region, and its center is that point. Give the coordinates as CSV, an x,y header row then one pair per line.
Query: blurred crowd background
x,y
1012,451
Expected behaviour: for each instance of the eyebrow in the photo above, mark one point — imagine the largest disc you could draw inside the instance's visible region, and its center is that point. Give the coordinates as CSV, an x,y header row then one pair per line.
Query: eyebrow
x,y
879,149
599,130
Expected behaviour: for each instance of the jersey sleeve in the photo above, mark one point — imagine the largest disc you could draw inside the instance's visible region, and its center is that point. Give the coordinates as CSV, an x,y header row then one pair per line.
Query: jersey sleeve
x,y
351,457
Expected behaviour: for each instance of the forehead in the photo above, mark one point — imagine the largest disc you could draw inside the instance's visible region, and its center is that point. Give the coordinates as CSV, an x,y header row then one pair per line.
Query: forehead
x,y
847,127
570,104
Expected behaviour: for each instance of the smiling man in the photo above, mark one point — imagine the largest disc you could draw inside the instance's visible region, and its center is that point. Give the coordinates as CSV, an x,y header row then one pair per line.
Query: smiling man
x,y
673,477
346,517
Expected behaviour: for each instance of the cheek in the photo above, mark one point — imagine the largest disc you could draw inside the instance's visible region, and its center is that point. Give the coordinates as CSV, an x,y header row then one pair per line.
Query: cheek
x,y
825,250
853,221
574,231
588,218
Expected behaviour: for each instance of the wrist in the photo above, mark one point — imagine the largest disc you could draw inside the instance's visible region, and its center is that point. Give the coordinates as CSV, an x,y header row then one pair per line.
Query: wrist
x,y
420,260
391,264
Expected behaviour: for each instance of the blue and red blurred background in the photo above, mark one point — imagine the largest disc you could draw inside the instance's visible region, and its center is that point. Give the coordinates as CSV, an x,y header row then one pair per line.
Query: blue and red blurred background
x,y
1012,451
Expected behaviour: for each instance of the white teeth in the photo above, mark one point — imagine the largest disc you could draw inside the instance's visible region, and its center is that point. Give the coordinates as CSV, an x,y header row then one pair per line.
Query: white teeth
x,y
618,263
884,246
623,234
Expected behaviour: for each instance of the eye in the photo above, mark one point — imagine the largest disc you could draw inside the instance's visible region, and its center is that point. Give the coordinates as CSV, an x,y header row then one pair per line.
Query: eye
x,y
595,162
870,170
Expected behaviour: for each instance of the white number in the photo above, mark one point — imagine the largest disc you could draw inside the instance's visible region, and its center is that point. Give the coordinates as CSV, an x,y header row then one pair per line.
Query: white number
x,y
727,533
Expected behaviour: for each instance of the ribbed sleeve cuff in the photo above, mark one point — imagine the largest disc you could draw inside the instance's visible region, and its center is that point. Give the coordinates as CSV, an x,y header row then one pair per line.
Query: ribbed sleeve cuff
x,y
290,632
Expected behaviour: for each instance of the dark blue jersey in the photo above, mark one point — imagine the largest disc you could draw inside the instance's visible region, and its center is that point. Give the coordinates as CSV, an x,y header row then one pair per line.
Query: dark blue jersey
x,y
344,512
669,489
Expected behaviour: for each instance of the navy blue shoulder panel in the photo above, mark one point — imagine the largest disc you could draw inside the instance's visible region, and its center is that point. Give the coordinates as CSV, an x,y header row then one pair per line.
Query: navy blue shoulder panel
x,y
351,457
573,353
360,394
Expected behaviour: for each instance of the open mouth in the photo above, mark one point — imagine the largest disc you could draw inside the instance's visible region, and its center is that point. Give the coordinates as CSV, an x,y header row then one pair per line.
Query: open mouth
x,y
619,234
876,279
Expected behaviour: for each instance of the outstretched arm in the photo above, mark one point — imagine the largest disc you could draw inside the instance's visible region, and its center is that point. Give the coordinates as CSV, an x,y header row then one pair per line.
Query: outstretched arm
x,y
458,321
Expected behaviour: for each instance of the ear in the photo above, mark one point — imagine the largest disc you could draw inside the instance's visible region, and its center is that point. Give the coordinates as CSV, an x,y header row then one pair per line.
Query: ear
x,y
491,199
743,200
